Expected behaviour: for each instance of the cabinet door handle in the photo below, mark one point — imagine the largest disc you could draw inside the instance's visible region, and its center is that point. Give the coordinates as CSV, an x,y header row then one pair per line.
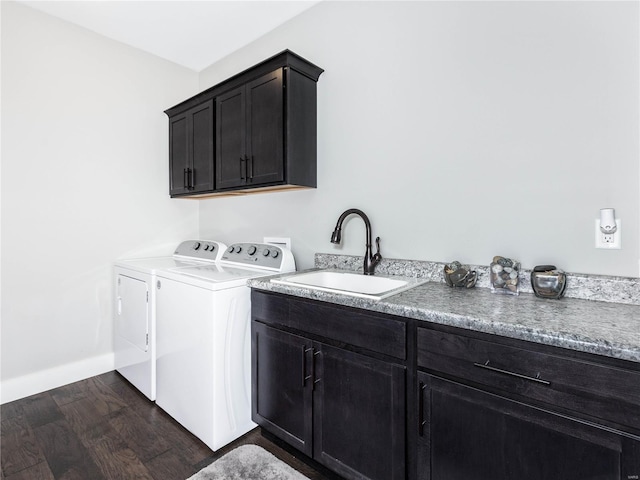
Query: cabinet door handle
x,y
536,379
421,421
305,377
313,367
250,168
185,178
242,169
192,178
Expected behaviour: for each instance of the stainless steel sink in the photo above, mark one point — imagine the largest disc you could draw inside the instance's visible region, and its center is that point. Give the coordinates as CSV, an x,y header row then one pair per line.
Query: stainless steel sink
x,y
375,287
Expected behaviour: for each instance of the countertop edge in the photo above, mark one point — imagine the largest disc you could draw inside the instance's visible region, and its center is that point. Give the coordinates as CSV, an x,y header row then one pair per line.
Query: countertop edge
x,y
394,306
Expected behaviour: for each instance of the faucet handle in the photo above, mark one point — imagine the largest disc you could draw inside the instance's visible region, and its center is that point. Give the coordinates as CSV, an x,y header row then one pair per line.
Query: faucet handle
x,y
377,257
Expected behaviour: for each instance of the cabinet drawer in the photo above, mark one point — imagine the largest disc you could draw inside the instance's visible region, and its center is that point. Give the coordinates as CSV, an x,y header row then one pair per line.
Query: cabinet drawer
x,y
268,308
600,391
371,331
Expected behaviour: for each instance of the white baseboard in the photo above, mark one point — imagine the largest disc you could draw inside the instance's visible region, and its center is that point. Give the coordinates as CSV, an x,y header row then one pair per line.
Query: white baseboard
x,y
37,382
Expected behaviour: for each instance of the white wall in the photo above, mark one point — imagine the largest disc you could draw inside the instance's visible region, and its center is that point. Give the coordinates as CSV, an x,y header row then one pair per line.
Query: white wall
x,y
463,129
84,181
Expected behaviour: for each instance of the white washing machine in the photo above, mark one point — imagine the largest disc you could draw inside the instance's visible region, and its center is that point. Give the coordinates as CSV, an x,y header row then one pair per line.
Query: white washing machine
x,y
134,309
204,340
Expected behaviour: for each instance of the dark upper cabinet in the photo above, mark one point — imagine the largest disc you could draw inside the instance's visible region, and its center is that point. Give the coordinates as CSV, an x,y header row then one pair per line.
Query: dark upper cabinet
x,y
263,137
191,150
231,136
249,134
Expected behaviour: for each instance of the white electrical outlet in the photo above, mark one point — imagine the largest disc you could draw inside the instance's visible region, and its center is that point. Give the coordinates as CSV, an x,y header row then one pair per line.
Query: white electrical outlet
x,y
608,240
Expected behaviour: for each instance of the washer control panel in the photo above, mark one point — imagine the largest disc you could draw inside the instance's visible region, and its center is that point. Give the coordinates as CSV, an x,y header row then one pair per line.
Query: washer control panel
x,y
200,249
259,255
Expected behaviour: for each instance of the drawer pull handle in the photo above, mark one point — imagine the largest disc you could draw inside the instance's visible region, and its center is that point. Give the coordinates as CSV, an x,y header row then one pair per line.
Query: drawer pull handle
x,y
536,379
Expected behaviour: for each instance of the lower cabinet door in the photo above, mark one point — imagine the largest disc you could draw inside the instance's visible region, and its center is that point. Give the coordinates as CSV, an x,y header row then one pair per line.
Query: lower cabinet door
x,y
359,414
467,433
281,385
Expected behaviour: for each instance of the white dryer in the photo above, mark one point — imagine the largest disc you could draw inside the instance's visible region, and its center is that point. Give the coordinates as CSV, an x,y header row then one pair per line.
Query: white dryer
x,y
134,309
204,340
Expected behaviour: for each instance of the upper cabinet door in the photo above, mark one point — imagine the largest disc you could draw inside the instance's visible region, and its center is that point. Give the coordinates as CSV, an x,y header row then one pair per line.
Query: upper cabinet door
x,y
249,134
178,154
265,129
201,141
191,150
231,136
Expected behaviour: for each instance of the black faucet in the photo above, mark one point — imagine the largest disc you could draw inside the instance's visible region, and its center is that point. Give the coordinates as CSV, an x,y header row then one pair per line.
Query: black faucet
x,y
370,261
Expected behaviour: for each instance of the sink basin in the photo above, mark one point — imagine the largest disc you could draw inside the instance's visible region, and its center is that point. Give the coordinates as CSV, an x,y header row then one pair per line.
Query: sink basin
x,y
350,283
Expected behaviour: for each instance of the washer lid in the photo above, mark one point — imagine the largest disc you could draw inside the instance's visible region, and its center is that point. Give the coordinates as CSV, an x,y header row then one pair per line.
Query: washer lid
x,y
212,276
153,264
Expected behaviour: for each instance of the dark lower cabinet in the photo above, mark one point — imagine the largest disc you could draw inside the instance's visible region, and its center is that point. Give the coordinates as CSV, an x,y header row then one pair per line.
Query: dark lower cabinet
x,y
343,408
282,393
377,397
468,433
491,408
357,398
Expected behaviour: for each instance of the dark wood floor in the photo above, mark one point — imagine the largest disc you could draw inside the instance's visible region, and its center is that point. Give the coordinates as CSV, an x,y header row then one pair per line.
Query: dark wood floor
x,y
103,428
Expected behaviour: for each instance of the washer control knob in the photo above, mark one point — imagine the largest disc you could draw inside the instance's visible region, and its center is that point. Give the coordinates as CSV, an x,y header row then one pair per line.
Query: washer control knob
x,y
238,249
252,250
231,249
196,245
274,254
266,252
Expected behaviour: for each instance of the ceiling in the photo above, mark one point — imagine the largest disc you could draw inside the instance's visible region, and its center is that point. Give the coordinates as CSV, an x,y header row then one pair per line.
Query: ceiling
x,y
194,34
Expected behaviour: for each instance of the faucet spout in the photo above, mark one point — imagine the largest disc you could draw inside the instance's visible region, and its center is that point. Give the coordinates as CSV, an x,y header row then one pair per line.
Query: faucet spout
x,y
370,260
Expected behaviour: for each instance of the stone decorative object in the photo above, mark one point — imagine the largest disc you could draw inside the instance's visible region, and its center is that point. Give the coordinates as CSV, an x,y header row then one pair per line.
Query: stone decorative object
x,y
504,275
458,275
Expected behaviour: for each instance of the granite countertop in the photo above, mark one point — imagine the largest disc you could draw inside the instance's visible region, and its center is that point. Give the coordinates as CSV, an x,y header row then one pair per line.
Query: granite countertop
x,y
598,327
